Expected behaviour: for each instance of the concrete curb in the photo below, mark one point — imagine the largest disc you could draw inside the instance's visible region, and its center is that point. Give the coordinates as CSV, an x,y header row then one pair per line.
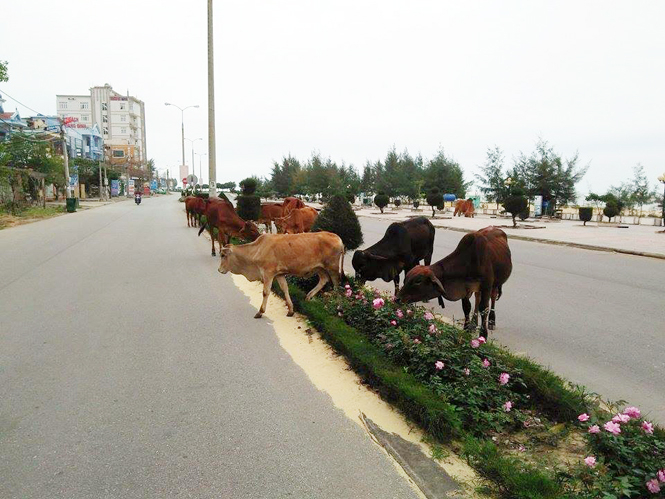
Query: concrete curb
x,y
592,247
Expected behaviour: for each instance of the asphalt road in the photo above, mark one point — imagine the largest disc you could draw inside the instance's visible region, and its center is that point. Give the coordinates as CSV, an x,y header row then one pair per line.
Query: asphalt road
x,y
129,367
596,318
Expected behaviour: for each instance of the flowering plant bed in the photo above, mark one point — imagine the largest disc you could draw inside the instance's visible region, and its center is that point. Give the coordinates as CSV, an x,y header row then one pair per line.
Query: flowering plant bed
x,y
514,421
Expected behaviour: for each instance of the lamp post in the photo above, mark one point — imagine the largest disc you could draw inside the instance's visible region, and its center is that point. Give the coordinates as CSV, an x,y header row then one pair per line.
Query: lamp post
x,y
200,170
182,121
191,141
662,180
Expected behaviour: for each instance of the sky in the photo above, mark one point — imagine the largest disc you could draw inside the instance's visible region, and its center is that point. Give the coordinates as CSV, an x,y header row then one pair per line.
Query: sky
x,y
352,79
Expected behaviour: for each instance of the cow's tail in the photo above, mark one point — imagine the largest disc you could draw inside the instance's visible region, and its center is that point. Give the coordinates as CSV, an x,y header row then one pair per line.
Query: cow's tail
x,y
342,275
203,227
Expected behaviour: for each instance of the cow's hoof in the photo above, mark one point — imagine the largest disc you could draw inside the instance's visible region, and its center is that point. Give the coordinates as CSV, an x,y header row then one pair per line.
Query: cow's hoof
x,y
214,254
490,326
258,315
290,314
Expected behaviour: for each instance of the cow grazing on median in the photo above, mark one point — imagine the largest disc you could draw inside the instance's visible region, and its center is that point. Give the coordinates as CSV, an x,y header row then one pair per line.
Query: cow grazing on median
x,y
269,213
402,247
194,208
480,265
223,217
297,221
464,207
274,256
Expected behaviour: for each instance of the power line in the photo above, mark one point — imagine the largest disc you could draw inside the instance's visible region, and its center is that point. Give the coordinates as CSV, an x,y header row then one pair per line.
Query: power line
x,y
20,103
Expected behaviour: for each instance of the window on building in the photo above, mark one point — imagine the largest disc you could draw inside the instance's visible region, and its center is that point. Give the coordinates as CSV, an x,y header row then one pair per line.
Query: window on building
x,y
131,106
105,118
123,117
85,117
84,105
105,130
123,130
123,107
118,153
62,105
105,106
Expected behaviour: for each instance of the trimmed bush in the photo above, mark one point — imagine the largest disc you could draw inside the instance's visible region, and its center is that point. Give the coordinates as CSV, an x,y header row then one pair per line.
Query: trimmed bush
x,y
350,197
397,202
516,204
339,218
248,204
611,210
435,200
416,203
586,212
381,200
248,186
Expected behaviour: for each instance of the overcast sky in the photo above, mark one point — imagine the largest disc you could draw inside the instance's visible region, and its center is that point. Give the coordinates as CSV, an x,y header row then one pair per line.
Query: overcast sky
x,y
350,79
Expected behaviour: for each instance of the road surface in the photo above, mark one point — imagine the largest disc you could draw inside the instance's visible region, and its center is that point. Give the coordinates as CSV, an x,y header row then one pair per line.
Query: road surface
x,y
596,318
129,367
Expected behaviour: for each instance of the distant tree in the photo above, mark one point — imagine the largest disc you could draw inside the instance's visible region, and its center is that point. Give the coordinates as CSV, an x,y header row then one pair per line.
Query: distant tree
x,y
446,175
641,191
368,179
381,200
434,199
491,178
227,185
4,75
339,218
611,210
516,203
586,213
397,201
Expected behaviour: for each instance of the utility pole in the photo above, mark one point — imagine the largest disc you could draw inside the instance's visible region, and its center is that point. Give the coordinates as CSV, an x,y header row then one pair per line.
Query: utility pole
x,y
68,188
101,187
212,165
168,187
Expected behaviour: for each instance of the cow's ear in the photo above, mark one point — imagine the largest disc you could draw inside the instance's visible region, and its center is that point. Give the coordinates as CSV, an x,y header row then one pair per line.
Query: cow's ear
x,y
226,250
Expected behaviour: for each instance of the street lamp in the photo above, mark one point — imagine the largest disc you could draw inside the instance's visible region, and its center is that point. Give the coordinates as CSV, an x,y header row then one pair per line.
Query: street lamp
x,y
201,171
192,144
182,121
662,179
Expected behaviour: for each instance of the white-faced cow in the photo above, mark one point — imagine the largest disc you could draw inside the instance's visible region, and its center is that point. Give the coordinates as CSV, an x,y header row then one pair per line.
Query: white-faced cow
x,y
274,256
402,247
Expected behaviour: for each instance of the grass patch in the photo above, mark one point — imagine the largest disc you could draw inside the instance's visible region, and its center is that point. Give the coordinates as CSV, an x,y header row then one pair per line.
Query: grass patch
x,y
10,217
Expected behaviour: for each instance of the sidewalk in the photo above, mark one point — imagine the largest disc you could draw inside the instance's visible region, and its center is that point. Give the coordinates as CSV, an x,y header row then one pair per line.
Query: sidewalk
x,y
639,240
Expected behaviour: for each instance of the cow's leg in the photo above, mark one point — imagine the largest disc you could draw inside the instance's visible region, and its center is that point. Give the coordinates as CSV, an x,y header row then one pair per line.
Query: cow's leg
x,y
441,302
466,307
323,280
396,281
281,280
187,213
491,323
212,240
267,285
484,310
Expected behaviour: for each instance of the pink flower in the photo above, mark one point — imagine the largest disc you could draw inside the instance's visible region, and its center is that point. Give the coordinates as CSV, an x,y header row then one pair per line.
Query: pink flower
x,y
400,314
432,328
346,286
612,427
409,313
359,297
439,365
378,303
508,406
394,323
348,293
503,378
481,340
621,418
475,343
590,461
583,417
429,316
486,363
521,448
661,475
594,429
416,341
633,412
467,371
653,486
647,427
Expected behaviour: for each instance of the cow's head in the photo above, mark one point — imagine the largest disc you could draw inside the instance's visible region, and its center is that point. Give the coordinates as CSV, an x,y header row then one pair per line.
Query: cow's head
x,y
420,284
369,266
226,255
250,231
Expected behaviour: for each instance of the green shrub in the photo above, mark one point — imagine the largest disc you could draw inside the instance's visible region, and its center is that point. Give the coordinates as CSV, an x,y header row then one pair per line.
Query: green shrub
x,y
435,199
515,204
248,186
611,210
350,197
586,213
381,200
416,203
248,207
397,202
338,217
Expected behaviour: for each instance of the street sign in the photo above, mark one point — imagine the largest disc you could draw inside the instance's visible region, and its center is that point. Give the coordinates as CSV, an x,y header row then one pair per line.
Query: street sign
x,y
184,181
192,179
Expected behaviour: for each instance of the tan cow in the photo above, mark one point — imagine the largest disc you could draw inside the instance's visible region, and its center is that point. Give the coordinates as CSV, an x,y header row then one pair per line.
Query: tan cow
x,y
274,256
297,221
464,207
269,213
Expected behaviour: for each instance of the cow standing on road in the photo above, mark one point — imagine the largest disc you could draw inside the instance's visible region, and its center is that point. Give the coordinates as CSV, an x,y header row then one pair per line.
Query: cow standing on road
x,y
401,248
480,265
274,256
221,215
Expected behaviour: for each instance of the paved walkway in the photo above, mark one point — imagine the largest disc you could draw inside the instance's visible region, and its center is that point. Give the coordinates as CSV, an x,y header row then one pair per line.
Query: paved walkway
x,y
633,239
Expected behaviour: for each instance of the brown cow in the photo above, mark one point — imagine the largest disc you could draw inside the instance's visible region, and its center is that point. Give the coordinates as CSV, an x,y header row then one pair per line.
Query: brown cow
x,y
464,207
223,217
194,208
270,212
480,265
273,256
297,221
291,203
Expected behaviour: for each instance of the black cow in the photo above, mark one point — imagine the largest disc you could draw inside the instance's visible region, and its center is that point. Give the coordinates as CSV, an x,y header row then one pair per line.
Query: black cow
x,y
402,247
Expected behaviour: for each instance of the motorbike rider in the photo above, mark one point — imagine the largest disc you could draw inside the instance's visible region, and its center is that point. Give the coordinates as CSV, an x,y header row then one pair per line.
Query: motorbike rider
x,y
137,197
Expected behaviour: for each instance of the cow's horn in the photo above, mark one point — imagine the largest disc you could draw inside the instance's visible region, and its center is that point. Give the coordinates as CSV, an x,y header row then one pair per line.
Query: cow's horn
x,y
438,284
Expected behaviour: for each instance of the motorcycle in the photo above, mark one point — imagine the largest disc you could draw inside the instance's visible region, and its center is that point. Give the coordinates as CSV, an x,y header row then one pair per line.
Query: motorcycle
x,y
137,199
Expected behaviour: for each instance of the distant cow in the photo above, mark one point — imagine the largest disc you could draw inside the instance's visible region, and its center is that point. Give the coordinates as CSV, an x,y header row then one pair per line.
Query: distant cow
x,y
297,221
480,265
291,203
269,213
274,256
223,217
464,207
402,247
194,208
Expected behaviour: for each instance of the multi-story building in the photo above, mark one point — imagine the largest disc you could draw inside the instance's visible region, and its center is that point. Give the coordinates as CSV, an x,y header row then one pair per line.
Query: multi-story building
x,y
120,118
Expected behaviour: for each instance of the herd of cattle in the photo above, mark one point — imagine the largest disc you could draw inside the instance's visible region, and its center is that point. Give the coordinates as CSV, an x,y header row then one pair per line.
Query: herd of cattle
x,y
478,267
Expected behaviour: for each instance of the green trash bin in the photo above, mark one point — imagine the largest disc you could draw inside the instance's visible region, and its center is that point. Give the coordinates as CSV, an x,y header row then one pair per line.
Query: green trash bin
x,y
71,205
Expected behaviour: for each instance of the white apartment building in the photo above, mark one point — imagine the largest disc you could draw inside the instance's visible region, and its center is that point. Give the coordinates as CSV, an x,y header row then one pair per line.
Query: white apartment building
x,y
120,118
